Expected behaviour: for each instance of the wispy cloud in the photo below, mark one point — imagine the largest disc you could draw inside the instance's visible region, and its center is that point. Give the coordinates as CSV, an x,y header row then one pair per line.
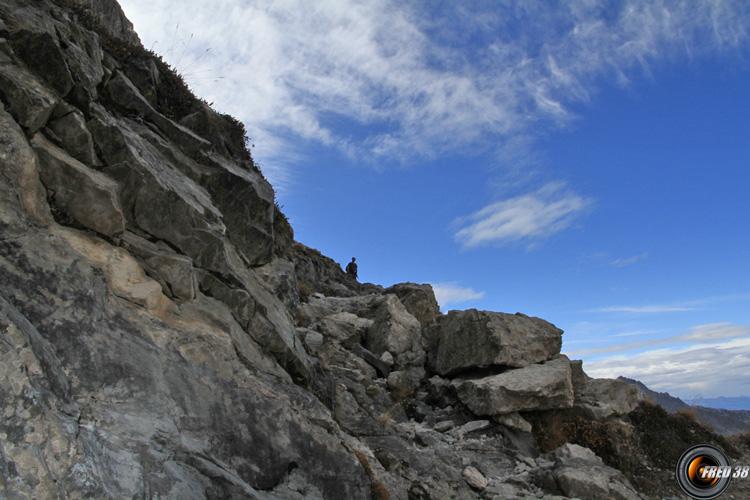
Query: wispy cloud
x,y
697,334
653,309
386,79
452,293
528,217
629,261
681,306
705,367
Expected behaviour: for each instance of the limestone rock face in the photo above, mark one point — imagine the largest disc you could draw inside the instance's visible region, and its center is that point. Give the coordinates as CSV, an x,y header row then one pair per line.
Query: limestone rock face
x,y
534,387
162,335
471,339
88,196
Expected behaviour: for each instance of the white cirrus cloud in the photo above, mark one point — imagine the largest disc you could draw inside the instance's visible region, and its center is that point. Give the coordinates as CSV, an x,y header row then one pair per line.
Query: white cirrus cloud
x,y
648,309
629,261
385,79
528,217
697,334
452,293
721,368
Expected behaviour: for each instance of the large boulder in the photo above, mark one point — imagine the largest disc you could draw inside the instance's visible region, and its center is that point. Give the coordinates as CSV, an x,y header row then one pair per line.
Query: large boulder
x,y
86,195
579,473
396,331
464,340
535,387
602,398
419,300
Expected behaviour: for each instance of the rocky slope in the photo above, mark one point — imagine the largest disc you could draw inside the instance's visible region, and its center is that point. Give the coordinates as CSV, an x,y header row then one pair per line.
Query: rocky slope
x,y
163,336
723,421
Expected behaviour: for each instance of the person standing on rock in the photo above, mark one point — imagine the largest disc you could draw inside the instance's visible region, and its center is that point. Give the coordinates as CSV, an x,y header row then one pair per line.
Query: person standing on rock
x,y
351,268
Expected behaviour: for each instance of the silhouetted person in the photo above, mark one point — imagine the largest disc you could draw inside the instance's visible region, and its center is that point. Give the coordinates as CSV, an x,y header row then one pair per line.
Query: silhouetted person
x,y
351,268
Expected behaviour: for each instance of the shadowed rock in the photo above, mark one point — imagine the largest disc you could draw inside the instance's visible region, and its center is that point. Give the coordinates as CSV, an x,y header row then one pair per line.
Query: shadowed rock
x,y
471,339
88,196
419,300
30,103
41,52
74,137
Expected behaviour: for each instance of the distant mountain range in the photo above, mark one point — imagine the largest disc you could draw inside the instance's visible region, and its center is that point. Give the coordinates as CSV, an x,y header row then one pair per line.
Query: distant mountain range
x,y
723,421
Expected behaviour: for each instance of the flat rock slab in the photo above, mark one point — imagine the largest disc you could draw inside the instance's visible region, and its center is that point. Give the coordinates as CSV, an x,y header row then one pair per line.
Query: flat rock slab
x,y
86,195
602,398
536,387
464,340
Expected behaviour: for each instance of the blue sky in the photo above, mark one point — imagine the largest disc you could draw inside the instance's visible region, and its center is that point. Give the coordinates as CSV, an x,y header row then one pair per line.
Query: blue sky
x,y
585,162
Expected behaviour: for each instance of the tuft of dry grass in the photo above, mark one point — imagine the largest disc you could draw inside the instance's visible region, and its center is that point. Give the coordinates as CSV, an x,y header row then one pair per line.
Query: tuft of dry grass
x,y
174,97
379,490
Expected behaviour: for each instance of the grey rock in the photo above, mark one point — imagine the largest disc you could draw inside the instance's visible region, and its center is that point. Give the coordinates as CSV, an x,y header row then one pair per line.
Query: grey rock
x,y
387,358
122,91
75,137
175,272
569,451
514,421
88,196
279,277
217,128
577,375
473,426
534,387
345,327
41,52
84,56
156,197
30,103
602,398
419,300
318,273
405,382
444,426
474,478
313,340
112,19
246,201
145,76
470,339
396,331
579,473
383,368
22,195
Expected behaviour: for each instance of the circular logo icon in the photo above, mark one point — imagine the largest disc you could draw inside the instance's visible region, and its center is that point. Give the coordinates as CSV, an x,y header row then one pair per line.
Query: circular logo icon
x,y
703,472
